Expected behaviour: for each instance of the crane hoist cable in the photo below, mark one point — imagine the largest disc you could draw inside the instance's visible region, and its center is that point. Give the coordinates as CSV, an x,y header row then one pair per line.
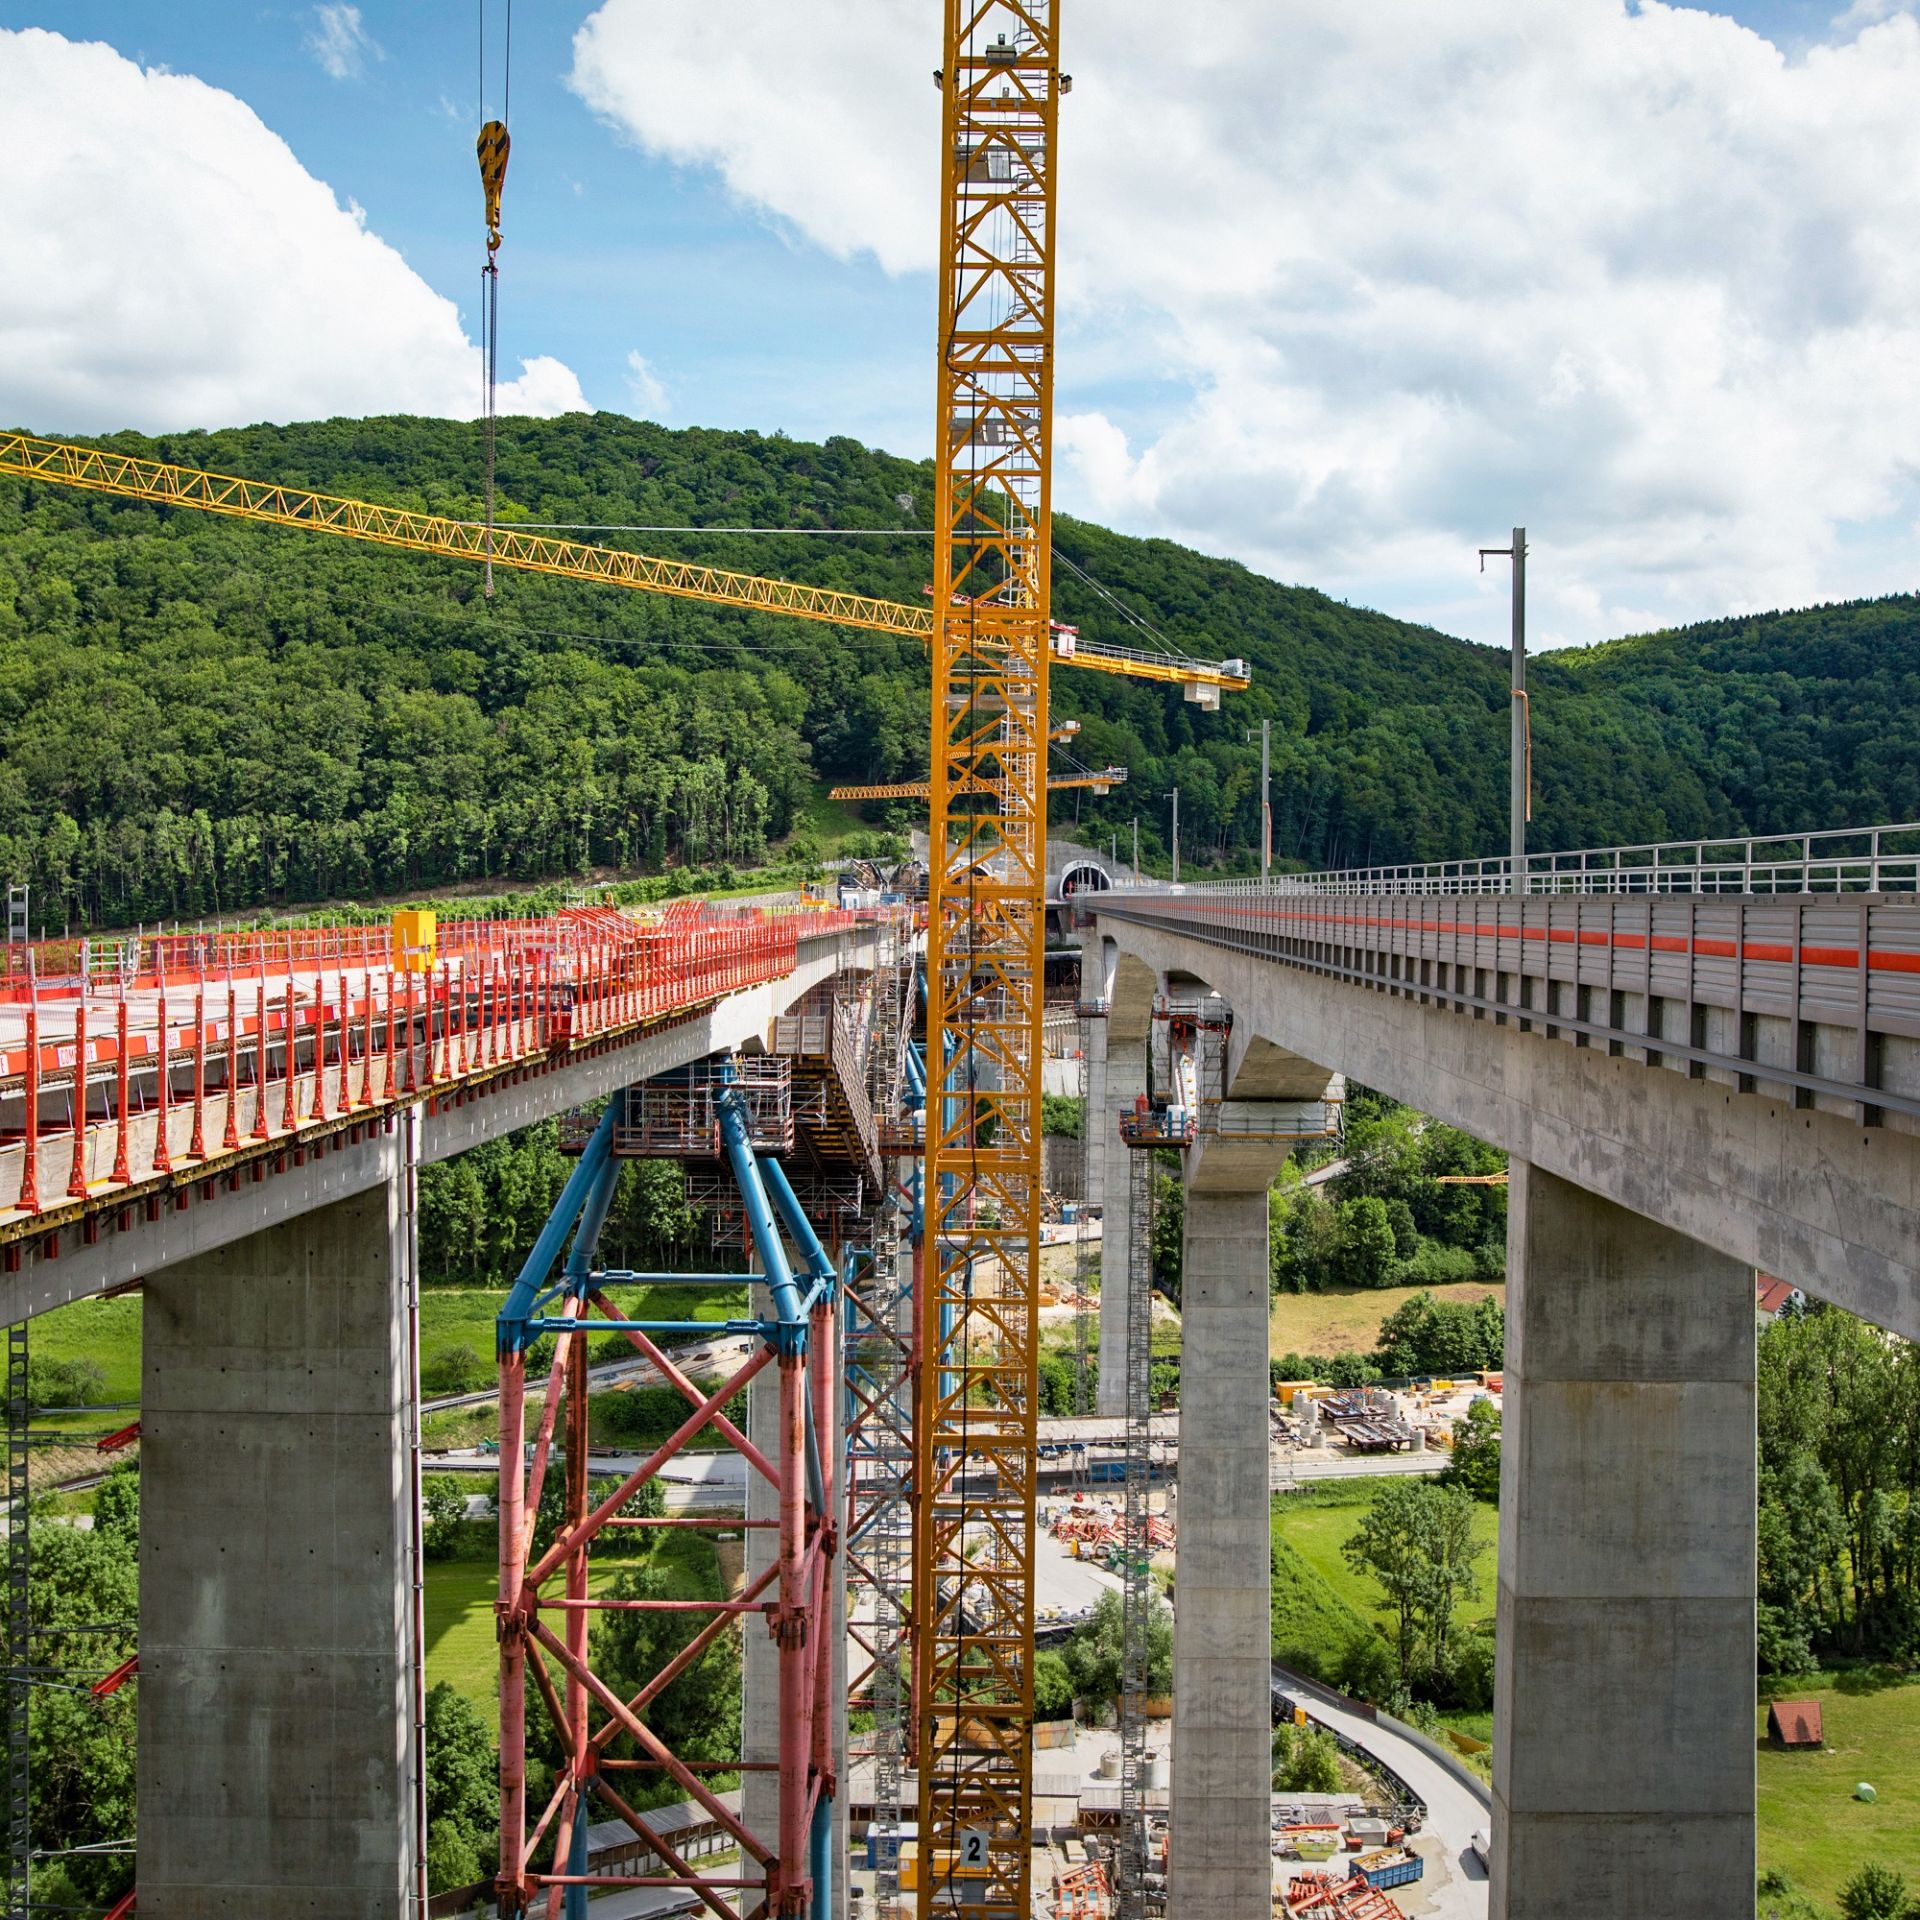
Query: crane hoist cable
x,y
491,149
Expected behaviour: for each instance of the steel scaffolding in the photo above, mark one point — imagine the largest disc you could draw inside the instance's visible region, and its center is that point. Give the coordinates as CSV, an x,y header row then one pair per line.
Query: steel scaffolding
x,y
1136,1597
600,1736
880,1434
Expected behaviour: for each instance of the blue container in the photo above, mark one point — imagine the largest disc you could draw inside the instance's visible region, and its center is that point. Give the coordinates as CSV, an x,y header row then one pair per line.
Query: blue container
x,y
1396,1869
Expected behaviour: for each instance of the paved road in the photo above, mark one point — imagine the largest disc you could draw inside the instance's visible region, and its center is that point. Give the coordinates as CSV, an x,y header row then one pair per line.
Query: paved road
x,y
1455,1884
693,1480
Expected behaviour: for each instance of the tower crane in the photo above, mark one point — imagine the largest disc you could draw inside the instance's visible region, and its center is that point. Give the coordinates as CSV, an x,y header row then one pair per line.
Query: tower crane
x,y
974,1436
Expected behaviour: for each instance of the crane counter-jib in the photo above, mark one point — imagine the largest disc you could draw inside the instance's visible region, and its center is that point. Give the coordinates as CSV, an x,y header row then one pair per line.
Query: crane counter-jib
x,y
131,476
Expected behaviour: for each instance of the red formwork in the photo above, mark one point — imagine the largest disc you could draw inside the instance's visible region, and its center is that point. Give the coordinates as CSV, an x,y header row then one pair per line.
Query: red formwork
x,y
214,1042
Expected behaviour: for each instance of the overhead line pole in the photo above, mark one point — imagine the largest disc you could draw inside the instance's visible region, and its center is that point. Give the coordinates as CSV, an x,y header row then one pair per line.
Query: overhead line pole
x,y
1266,798
1520,731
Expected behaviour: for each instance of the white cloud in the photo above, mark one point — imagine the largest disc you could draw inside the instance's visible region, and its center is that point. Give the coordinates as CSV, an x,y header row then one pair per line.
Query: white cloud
x,y
1409,274
171,264
649,397
1866,13
340,43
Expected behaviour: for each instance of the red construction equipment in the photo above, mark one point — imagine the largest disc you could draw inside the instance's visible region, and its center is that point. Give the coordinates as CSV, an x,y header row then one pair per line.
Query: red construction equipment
x,y
1082,1893
212,1038
1325,1896
547,1597
111,1683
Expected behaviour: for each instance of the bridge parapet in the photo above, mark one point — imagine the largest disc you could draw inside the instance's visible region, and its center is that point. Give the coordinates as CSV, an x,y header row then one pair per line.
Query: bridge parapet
x,y
1810,998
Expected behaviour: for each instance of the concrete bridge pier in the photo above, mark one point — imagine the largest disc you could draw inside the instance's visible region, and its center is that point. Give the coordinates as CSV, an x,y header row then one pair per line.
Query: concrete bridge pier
x,y
1623,1726
276,1697
1221,1862
1123,1077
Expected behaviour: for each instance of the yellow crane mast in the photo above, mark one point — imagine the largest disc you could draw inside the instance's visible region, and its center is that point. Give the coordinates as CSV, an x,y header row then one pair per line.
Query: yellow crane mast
x,y
974,1438
101,470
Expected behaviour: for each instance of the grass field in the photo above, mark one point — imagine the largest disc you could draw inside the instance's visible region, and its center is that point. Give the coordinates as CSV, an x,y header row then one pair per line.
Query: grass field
x,y
1811,1826
1315,1526
460,1643
1349,1321
107,1332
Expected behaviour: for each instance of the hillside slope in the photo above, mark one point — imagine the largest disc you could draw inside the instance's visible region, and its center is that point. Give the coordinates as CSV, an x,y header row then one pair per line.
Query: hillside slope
x,y
198,716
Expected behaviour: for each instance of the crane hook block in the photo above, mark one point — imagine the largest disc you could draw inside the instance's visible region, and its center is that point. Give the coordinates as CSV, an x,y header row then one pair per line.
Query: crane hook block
x,y
492,148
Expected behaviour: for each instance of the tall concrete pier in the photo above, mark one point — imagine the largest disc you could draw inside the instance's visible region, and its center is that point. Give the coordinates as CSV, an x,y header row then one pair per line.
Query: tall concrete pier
x,y
276,1711
1123,1076
1221,1863
1624,1719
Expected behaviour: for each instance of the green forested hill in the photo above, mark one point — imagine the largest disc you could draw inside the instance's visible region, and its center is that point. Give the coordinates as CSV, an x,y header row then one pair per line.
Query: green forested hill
x,y
197,716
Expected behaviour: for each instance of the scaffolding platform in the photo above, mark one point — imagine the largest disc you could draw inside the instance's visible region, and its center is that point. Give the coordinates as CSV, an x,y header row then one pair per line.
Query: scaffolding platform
x,y
674,1117
1158,1127
834,1201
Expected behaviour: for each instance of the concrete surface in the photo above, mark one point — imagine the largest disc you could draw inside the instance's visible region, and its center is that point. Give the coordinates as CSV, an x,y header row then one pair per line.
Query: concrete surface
x,y
1623,1718
275,1712
1455,1885
1124,1071
1809,1195
1222,1726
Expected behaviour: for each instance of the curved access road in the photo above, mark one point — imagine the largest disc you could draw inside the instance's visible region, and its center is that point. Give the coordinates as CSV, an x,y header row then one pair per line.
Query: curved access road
x,y
1454,1886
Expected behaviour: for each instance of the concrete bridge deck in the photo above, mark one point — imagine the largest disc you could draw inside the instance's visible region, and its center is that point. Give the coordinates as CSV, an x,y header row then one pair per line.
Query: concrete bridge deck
x,y
1691,1084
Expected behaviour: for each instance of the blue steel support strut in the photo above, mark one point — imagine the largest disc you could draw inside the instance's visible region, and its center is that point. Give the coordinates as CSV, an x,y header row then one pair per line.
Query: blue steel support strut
x,y
790,1332
593,1217
576,1907
819,1260
511,1334
820,1858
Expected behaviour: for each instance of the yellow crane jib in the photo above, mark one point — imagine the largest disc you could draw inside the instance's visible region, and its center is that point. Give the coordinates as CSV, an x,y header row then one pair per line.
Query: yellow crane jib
x,y
26,456
492,148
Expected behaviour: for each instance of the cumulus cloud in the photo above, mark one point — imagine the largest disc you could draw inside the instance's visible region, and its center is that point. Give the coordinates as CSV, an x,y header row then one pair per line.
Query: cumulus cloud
x,y
1399,276
340,43
171,264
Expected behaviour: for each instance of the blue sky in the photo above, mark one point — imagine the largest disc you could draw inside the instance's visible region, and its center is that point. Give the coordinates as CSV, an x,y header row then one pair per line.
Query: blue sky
x,y
1336,413
607,252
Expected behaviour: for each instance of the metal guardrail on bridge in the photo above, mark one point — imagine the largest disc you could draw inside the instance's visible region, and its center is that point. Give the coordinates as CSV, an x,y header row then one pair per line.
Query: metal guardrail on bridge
x,y
220,1048
1842,860
1806,987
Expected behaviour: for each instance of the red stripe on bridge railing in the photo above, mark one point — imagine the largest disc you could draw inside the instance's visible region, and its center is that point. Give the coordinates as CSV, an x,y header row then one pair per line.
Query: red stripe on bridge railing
x,y
1890,961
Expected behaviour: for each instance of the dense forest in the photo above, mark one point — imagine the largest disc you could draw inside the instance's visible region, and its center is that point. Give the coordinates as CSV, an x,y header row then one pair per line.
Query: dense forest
x,y
198,717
